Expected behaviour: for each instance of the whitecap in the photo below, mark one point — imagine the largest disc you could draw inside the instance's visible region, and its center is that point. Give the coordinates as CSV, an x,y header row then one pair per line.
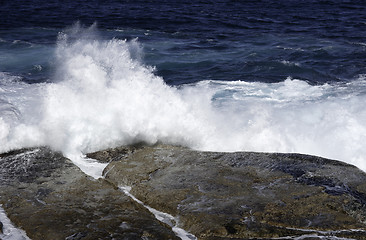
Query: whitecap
x,y
104,96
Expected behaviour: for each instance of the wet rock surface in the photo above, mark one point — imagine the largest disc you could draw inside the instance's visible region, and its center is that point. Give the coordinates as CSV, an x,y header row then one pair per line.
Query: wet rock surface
x,y
46,195
213,195
244,195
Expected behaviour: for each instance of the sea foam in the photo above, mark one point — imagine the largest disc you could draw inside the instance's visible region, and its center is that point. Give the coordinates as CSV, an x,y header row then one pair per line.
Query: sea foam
x,y
102,95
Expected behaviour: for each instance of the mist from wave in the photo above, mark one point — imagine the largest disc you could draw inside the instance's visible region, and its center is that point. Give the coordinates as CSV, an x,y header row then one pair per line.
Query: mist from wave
x,y
102,95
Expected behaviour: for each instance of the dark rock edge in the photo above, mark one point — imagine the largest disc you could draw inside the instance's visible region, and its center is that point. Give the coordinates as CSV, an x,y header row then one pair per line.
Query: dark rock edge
x,y
246,195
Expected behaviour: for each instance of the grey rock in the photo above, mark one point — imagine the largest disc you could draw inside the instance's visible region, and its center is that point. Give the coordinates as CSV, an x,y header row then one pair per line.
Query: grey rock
x,y
214,195
46,195
77,236
244,195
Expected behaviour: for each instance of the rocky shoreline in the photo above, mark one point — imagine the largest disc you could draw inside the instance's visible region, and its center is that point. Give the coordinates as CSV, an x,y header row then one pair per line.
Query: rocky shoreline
x,y
212,195
46,195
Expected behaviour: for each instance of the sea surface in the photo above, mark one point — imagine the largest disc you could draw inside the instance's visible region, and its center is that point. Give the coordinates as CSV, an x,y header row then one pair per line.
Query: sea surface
x,y
268,76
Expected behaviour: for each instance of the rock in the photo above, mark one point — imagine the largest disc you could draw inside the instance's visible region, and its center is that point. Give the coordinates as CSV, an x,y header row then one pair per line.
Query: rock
x,y
244,195
77,236
1,227
214,195
46,195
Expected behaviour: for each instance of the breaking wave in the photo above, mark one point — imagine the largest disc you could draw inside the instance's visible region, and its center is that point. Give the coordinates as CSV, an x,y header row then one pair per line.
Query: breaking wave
x,y
102,95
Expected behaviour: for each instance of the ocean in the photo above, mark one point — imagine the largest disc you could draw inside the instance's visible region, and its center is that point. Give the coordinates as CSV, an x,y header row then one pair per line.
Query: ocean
x,y
267,76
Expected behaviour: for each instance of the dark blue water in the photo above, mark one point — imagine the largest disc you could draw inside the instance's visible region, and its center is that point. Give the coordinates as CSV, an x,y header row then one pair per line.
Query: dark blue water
x,y
190,41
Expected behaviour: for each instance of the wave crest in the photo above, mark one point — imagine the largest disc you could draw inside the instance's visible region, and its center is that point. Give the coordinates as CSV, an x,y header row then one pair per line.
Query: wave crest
x,y
104,96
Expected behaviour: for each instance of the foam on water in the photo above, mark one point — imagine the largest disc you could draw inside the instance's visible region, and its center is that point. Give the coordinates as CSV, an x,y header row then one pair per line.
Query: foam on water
x,y
102,96
293,116
9,231
162,217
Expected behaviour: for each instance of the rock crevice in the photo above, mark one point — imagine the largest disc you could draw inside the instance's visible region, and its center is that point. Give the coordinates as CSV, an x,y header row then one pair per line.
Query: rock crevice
x,y
246,195
50,198
214,195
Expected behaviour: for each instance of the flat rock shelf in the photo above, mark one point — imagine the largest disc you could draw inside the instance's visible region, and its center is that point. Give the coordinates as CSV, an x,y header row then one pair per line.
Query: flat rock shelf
x,y
48,197
212,195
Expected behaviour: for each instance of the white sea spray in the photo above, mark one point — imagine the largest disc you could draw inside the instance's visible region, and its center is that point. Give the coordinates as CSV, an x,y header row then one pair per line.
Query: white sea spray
x,y
103,95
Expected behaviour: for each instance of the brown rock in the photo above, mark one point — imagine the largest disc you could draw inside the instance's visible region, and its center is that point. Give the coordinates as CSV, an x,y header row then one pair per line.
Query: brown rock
x,y
245,195
50,198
